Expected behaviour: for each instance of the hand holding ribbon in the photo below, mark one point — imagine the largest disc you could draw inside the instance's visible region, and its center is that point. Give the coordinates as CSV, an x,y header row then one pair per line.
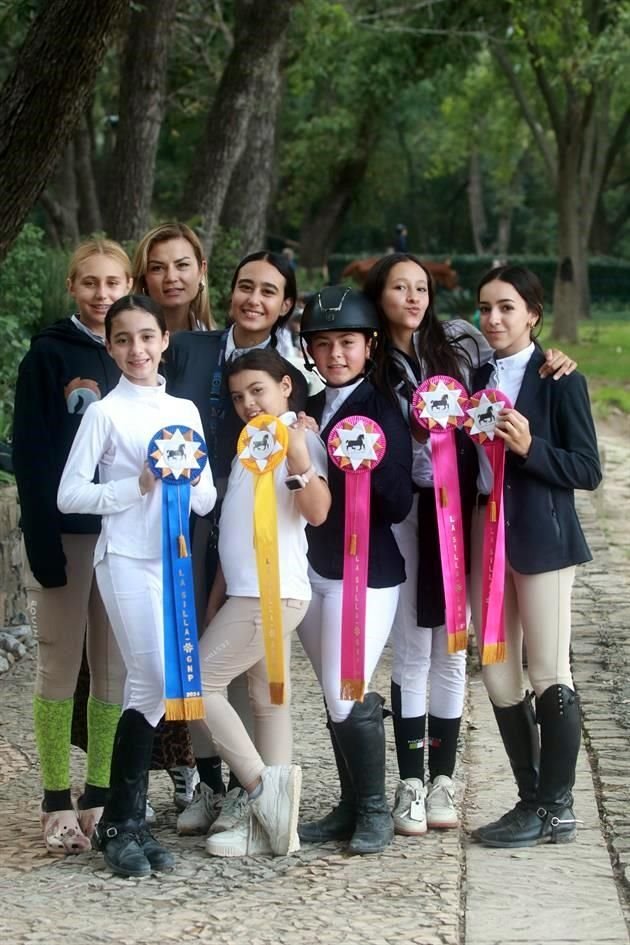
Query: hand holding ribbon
x,y
356,445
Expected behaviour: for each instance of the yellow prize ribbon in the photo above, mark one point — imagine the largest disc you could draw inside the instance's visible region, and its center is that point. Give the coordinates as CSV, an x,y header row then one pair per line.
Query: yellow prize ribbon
x,y
262,446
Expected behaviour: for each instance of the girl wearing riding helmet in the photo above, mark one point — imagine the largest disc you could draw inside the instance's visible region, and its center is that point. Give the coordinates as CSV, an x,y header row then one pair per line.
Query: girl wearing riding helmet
x,y
339,329
418,345
263,295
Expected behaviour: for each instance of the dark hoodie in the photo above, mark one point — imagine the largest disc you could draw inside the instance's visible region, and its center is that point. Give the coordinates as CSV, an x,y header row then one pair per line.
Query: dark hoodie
x,y
64,371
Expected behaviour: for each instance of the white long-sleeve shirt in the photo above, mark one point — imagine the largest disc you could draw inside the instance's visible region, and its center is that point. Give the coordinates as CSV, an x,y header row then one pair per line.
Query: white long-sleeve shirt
x,y
114,436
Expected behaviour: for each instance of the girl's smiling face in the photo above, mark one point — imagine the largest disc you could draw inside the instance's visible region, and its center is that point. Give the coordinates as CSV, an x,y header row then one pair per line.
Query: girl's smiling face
x,y
256,392
258,301
136,344
99,281
339,356
505,319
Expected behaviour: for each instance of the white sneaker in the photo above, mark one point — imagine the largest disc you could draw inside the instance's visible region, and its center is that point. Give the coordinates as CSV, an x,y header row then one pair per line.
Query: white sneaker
x,y
440,803
150,816
410,817
247,838
231,808
201,813
185,780
278,805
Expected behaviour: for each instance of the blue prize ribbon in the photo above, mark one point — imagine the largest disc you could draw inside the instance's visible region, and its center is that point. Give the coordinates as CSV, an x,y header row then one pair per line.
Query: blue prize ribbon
x,y
182,671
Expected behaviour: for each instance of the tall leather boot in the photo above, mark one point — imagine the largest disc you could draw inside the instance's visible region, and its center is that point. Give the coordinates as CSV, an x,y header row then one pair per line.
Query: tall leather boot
x,y
122,835
519,733
340,822
549,818
361,739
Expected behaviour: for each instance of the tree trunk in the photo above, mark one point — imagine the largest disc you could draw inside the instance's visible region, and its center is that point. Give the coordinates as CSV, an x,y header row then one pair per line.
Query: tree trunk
x,y
260,28
141,110
478,222
504,232
570,298
90,218
60,200
321,228
248,199
42,99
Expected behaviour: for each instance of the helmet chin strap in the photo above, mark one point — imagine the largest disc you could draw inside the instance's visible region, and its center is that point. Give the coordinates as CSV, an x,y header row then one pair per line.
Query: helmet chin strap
x,y
310,366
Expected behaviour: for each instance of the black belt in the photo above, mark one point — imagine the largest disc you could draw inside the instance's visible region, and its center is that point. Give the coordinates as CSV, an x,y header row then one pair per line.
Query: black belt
x,y
482,499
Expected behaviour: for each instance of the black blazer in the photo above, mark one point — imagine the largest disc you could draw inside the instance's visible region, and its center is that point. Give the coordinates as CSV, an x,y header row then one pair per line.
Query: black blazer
x,y
542,529
189,365
391,492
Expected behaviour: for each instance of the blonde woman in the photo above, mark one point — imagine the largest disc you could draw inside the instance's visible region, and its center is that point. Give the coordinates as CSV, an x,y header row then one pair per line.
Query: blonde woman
x,y
66,369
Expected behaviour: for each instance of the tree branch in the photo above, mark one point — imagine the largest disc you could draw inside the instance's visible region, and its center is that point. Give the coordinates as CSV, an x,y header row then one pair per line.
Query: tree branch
x,y
545,90
519,92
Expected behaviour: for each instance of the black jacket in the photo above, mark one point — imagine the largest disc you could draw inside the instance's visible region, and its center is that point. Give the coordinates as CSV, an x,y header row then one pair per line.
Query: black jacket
x,y
63,372
391,498
191,361
542,529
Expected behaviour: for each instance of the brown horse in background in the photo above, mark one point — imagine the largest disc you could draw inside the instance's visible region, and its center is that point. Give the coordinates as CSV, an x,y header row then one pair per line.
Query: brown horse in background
x,y
441,272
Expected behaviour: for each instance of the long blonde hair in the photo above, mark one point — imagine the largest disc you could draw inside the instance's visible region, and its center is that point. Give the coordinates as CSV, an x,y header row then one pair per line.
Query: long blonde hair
x,y
97,247
200,306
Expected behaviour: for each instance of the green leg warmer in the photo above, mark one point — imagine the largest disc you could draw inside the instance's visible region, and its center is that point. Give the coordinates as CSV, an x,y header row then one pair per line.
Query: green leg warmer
x,y
102,721
53,721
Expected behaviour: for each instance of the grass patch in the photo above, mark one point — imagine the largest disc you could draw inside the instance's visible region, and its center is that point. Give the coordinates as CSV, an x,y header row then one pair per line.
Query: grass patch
x,y
603,356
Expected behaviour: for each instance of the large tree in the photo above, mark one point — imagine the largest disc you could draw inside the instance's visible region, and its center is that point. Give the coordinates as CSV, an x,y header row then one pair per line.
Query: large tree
x,y
142,102
43,98
577,53
259,30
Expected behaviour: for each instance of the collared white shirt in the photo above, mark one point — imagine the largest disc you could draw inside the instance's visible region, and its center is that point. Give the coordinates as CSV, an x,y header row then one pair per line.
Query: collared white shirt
x,y
507,376
231,351
335,397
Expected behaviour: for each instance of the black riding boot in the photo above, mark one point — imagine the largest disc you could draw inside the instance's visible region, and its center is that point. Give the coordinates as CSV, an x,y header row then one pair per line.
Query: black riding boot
x,y
549,817
340,822
122,835
519,733
361,739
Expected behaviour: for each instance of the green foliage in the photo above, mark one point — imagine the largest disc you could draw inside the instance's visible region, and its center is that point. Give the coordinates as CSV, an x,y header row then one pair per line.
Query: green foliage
x,y
22,284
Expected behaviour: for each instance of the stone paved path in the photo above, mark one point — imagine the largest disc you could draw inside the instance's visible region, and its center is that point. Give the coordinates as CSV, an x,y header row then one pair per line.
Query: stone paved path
x,y
439,890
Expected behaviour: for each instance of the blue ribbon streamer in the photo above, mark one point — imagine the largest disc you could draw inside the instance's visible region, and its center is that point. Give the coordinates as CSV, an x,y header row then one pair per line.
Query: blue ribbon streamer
x,y
181,650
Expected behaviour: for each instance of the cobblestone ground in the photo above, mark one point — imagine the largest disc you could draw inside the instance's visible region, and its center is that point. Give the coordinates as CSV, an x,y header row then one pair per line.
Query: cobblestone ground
x,y
414,893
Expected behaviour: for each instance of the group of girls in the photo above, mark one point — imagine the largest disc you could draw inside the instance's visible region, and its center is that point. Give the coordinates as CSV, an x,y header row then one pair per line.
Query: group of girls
x,y
371,349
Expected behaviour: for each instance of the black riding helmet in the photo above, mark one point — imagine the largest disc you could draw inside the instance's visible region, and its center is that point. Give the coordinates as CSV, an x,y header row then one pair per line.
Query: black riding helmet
x,y
337,308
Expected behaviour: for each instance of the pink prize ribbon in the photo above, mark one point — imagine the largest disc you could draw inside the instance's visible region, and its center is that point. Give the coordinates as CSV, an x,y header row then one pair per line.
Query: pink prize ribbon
x,y
438,406
482,414
356,445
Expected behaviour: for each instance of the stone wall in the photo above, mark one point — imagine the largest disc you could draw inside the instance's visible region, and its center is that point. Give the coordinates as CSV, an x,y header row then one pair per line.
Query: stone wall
x,y
12,598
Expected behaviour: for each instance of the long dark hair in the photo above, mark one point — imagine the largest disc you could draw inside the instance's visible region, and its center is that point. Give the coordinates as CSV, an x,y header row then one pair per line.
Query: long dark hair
x,y
284,267
440,353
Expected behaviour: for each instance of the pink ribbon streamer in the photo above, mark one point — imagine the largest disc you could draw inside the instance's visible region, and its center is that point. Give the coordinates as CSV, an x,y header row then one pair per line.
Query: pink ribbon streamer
x,y
482,410
437,406
355,444
355,575
451,537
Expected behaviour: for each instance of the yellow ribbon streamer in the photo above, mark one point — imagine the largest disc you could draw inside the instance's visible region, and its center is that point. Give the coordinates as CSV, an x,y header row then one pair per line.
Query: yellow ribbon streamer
x,y
262,446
